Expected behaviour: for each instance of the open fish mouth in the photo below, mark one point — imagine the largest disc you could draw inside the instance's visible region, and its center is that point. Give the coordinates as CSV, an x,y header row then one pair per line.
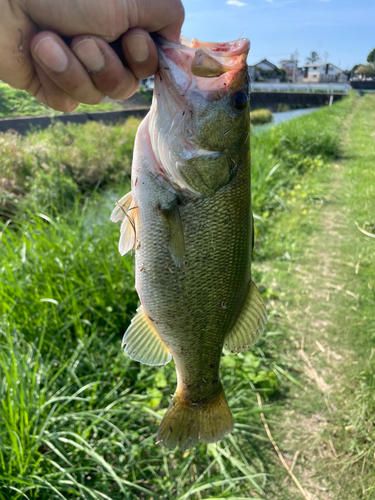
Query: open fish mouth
x,y
198,84
203,66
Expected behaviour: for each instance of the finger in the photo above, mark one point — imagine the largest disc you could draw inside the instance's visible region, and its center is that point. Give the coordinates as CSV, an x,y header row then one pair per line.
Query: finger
x,y
50,94
107,72
63,68
109,19
140,52
164,16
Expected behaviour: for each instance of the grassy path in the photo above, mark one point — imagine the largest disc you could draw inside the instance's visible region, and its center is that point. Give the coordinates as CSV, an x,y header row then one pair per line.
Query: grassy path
x,y
324,317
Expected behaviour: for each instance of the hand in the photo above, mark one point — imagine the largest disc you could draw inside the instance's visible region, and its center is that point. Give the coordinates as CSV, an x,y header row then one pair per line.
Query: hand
x,y
62,76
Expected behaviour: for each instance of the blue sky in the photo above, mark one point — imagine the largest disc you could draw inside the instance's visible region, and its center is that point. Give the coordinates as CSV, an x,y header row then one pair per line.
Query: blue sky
x,y
345,29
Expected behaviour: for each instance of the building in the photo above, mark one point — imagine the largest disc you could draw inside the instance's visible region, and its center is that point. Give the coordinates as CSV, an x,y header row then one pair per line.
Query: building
x,y
265,71
290,66
319,72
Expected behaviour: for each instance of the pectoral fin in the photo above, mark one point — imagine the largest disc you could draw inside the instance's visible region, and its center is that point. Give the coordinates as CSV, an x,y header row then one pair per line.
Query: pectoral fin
x,y
175,234
142,342
250,323
127,212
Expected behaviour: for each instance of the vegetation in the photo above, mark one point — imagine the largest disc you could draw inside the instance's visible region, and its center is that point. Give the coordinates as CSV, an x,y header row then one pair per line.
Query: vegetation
x,y
322,281
314,57
371,57
368,70
15,102
260,116
78,418
52,167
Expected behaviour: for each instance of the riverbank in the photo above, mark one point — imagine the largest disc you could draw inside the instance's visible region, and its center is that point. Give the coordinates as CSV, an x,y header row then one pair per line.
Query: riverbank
x,y
324,317
79,418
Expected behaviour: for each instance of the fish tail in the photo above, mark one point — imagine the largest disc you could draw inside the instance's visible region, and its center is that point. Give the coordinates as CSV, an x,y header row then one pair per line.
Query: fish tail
x,y
185,423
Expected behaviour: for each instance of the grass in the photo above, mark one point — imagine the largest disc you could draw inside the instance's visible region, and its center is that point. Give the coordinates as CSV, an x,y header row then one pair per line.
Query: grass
x,y
78,419
15,103
309,248
356,434
52,167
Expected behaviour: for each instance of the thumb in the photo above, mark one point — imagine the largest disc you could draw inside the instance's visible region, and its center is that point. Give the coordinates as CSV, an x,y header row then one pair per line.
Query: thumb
x,y
16,65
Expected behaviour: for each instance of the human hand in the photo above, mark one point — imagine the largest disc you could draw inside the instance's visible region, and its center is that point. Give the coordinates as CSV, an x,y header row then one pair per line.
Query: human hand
x,y
35,58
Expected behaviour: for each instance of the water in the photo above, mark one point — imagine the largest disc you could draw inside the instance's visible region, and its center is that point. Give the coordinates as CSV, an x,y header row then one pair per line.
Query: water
x,y
288,115
283,116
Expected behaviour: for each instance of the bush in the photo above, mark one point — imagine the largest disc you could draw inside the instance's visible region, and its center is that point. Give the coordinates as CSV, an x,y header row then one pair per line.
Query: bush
x,y
57,163
260,116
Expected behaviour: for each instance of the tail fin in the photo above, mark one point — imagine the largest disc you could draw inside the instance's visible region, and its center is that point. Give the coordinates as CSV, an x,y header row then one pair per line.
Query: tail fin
x,y
185,424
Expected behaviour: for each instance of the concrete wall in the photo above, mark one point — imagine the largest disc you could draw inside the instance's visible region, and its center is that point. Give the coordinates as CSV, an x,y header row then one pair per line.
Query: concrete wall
x,y
26,124
271,100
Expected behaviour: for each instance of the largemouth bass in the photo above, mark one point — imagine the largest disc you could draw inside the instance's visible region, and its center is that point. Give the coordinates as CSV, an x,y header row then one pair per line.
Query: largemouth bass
x,y
188,217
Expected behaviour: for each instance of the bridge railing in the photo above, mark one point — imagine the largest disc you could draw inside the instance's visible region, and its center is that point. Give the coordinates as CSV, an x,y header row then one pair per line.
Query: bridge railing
x,y
325,88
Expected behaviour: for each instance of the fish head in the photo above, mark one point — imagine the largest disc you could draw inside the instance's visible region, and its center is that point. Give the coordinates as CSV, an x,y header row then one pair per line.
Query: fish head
x,y
199,120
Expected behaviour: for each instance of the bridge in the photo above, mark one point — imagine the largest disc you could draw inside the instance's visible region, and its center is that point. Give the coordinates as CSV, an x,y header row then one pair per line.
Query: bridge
x,y
295,95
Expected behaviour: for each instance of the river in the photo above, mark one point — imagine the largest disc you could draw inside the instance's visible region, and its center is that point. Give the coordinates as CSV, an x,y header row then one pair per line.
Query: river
x,y
283,116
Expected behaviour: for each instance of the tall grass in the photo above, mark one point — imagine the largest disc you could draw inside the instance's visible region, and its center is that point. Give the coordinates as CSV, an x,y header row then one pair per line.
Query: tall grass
x,y
52,167
78,419
15,102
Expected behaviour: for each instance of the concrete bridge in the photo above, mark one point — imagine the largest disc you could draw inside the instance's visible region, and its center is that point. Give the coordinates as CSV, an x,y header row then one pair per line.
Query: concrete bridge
x,y
295,95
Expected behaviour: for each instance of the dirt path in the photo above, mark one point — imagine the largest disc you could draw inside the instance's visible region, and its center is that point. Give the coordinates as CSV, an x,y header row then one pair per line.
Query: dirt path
x,y
320,311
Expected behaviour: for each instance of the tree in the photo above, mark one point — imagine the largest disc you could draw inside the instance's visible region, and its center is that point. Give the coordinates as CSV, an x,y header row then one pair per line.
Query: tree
x,y
367,70
371,57
313,57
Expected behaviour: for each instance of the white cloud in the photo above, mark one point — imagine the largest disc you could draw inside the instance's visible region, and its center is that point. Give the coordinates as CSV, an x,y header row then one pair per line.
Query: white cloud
x,y
236,3
269,1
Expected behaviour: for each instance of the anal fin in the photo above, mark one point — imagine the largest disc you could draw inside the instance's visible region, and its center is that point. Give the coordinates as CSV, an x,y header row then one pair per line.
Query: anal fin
x,y
142,342
250,323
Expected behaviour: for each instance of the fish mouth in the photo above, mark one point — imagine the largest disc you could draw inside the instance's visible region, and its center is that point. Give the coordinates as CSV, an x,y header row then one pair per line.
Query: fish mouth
x,y
206,67
212,70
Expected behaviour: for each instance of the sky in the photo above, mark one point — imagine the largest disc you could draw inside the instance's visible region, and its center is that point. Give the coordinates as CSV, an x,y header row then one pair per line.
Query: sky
x,y
342,32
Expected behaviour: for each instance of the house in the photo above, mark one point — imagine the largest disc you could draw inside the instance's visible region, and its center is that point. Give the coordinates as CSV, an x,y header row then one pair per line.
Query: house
x,y
290,66
265,71
319,72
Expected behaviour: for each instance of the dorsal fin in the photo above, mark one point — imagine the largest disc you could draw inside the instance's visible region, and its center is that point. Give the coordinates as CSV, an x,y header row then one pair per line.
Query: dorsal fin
x,y
250,323
142,342
126,211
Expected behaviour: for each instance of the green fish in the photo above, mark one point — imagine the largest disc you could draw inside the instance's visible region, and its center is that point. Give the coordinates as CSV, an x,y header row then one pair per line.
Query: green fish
x,y
188,217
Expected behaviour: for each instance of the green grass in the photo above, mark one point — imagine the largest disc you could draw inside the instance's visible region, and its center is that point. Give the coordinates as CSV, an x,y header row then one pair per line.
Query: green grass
x,y
52,167
302,236
356,434
15,103
78,419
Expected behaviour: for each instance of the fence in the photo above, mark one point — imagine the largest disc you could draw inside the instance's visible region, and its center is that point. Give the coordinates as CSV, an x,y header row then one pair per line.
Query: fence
x,y
325,88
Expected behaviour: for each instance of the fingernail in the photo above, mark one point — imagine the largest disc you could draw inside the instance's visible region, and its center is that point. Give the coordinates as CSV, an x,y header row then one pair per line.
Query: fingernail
x,y
89,54
137,47
53,56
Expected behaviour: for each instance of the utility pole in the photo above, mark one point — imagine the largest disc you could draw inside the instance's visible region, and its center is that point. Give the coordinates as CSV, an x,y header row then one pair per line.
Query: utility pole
x,y
295,66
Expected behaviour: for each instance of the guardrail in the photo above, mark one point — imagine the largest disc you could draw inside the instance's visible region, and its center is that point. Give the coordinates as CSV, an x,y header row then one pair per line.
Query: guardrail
x,y
325,88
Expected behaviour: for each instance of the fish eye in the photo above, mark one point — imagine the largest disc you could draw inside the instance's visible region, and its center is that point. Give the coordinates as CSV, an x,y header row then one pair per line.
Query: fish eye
x,y
239,100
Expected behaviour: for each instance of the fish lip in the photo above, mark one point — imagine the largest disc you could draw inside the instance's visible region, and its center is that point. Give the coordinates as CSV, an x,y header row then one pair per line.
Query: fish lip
x,y
233,48
229,58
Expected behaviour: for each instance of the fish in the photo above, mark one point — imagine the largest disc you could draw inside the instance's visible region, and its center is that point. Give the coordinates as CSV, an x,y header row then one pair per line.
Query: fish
x,y
188,216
